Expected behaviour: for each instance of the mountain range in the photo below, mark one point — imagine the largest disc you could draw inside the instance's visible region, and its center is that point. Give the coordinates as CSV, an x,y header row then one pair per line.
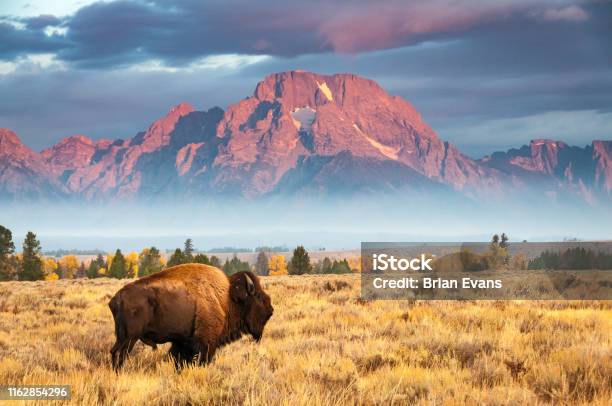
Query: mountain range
x,y
300,133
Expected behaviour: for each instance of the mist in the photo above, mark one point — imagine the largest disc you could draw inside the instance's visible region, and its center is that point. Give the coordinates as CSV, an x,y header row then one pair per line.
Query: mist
x,y
330,223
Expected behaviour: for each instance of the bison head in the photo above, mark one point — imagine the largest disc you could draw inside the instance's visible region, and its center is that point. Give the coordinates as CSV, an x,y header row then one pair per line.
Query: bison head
x,y
255,304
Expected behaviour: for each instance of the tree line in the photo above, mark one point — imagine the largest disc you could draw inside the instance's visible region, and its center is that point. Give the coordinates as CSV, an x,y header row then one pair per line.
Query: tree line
x,y
31,264
577,258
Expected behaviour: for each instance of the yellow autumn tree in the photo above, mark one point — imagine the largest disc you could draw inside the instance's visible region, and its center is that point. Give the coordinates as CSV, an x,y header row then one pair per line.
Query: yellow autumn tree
x,y
355,264
520,261
277,265
132,264
50,268
69,266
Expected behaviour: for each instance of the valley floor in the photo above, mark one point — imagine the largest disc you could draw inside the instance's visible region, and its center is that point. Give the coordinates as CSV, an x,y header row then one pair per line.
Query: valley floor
x,y
322,346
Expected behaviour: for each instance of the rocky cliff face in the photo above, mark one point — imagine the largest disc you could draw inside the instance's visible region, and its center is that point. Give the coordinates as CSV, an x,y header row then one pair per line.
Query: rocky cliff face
x,y
301,114
555,166
298,132
24,173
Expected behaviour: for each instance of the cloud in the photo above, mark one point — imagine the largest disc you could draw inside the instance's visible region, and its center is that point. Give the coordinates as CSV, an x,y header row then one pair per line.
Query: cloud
x,y
32,64
114,67
16,41
42,21
570,13
126,32
578,127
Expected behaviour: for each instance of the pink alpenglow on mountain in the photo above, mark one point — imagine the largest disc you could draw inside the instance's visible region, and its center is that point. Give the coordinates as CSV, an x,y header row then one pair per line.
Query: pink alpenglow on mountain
x,y
299,133
24,174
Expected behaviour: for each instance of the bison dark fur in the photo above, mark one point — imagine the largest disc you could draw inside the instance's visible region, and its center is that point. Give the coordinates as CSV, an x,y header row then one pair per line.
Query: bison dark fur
x,y
195,307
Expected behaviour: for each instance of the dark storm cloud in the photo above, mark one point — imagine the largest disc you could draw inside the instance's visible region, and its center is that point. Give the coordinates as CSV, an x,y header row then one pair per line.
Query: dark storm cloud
x,y
43,107
41,22
125,32
459,63
16,42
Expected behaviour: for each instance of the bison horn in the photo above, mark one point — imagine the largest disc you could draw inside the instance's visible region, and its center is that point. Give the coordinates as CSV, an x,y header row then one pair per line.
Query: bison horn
x,y
249,284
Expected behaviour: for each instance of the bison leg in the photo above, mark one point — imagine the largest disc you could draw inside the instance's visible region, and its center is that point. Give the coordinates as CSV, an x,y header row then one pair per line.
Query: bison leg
x,y
206,353
120,351
150,343
182,353
114,353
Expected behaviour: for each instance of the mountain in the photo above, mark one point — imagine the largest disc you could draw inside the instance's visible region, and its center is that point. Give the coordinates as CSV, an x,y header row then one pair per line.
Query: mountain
x,y
23,173
296,115
300,133
553,167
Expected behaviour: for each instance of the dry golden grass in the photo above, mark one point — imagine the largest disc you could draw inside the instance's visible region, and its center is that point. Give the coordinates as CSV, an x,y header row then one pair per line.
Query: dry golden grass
x,y
322,346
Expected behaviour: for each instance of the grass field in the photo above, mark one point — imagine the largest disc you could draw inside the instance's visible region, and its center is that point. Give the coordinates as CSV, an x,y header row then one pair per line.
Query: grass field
x,y
322,346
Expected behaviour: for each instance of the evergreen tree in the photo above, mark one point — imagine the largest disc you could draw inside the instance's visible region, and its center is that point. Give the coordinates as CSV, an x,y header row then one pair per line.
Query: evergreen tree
x,y
339,267
498,252
100,262
201,259
118,267
177,258
300,262
215,261
503,244
82,272
504,241
150,261
261,266
93,270
7,248
32,267
324,266
188,252
235,265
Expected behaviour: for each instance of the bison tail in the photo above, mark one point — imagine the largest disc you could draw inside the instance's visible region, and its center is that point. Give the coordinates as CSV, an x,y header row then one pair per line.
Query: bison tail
x,y
120,328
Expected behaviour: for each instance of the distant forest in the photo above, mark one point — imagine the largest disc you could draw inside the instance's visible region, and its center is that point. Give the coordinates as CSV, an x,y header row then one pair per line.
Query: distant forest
x,y
572,258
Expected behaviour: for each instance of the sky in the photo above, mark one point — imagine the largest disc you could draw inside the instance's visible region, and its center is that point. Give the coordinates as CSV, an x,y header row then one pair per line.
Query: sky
x,y
486,75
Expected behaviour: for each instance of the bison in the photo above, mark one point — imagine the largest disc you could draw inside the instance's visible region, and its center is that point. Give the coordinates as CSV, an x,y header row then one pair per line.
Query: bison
x,y
195,307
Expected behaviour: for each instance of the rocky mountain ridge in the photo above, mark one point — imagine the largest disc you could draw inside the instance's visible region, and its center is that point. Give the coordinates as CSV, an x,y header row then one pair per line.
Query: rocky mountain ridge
x,y
299,133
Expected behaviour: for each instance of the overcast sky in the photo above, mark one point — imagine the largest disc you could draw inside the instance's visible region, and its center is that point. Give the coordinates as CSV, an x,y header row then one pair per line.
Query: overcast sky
x,y
486,75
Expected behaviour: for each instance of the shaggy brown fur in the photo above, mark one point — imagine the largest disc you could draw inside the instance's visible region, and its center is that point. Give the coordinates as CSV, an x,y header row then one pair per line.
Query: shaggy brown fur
x,y
195,307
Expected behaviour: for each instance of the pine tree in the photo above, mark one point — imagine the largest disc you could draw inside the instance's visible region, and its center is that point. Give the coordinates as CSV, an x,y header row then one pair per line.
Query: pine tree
x,y
201,259
177,258
6,243
498,253
340,267
7,248
503,244
100,262
261,266
326,265
235,265
504,241
150,261
93,270
118,267
215,261
300,262
82,272
188,251
32,268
